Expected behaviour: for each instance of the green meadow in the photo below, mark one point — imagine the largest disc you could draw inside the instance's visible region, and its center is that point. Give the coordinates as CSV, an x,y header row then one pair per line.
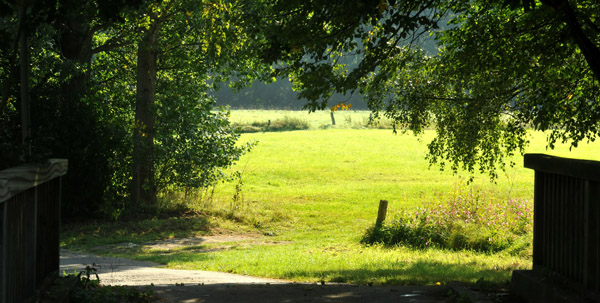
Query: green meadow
x,y
305,199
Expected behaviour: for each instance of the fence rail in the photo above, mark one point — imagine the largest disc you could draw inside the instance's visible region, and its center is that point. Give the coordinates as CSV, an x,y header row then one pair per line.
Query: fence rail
x,y
29,222
566,220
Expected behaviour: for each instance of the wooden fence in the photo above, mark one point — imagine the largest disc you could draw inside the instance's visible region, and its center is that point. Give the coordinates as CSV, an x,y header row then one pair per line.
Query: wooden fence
x,y
29,222
566,220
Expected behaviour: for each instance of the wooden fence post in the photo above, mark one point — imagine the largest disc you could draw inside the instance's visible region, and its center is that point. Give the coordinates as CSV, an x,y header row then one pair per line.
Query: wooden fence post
x,y
383,204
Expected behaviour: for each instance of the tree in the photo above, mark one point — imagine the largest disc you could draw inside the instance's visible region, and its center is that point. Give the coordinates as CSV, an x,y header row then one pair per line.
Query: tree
x,y
185,42
501,67
143,189
59,48
19,20
84,85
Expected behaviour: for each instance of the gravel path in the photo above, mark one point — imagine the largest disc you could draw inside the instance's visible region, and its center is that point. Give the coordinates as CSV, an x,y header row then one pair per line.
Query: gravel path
x,y
119,271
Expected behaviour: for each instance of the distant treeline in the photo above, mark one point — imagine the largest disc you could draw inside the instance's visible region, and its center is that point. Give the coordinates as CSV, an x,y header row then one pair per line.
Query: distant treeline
x,y
276,95
280,95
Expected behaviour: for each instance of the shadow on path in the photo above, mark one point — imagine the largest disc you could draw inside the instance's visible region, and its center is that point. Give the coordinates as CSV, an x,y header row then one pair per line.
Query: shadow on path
x,y
284,293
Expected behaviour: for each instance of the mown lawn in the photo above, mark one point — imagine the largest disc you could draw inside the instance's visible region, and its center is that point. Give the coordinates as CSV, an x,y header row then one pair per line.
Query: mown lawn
x,y
313,193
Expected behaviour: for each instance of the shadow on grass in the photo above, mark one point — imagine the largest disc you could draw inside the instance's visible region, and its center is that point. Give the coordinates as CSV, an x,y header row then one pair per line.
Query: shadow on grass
x,y
75,262
94,234
417,273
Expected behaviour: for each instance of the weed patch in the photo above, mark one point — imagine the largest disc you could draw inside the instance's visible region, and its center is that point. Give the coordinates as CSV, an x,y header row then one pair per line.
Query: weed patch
x,y
467,220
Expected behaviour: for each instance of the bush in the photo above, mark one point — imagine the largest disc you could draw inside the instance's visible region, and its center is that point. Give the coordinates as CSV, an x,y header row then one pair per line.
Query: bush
x,y
466,221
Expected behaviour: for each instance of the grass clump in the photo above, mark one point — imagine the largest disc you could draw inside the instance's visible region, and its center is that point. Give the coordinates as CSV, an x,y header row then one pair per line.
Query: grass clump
x,y
287,123
469,221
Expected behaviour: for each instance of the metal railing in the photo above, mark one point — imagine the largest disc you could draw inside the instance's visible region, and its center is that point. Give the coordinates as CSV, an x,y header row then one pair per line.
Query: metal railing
x,y
29,222
566,220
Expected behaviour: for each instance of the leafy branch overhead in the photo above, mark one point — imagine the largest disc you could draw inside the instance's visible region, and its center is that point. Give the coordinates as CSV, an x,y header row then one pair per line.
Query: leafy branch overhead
x,y
480,72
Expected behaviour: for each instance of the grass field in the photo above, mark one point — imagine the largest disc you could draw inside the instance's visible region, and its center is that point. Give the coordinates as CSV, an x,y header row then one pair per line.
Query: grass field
x,y
312,194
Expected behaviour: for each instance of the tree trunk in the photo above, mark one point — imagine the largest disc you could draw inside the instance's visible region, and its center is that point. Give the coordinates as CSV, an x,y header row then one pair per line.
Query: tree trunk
x,y
590,51
143,191
25,100
74,128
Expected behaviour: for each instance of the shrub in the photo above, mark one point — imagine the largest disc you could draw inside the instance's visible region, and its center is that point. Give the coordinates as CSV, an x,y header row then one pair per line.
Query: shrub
x,y
465,221
287,123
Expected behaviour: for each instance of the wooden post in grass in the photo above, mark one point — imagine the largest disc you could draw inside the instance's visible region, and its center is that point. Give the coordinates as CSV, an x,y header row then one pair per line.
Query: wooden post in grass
x,y
383,204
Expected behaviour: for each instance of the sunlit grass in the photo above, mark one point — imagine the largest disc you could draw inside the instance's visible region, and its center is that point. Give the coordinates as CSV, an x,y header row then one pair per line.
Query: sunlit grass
x,y
347,263
315,192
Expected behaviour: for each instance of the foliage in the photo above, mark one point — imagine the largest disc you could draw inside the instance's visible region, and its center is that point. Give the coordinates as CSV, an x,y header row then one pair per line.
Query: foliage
x,y
197,45
320,39
498,72
342,106
194,143
464,221
62,120
271,95
84,71
498,68
10,140
87,275
259,95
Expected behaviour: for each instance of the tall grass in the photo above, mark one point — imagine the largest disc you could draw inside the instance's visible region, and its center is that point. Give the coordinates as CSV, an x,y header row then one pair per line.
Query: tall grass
x,y
287,123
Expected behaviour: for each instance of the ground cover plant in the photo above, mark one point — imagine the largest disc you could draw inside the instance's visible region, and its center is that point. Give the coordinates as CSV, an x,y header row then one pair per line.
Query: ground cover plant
x,y
465,220
307,198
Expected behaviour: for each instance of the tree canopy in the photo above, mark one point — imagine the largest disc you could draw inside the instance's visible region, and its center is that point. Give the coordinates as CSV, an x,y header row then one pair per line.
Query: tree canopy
x,y
501,67
122,87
